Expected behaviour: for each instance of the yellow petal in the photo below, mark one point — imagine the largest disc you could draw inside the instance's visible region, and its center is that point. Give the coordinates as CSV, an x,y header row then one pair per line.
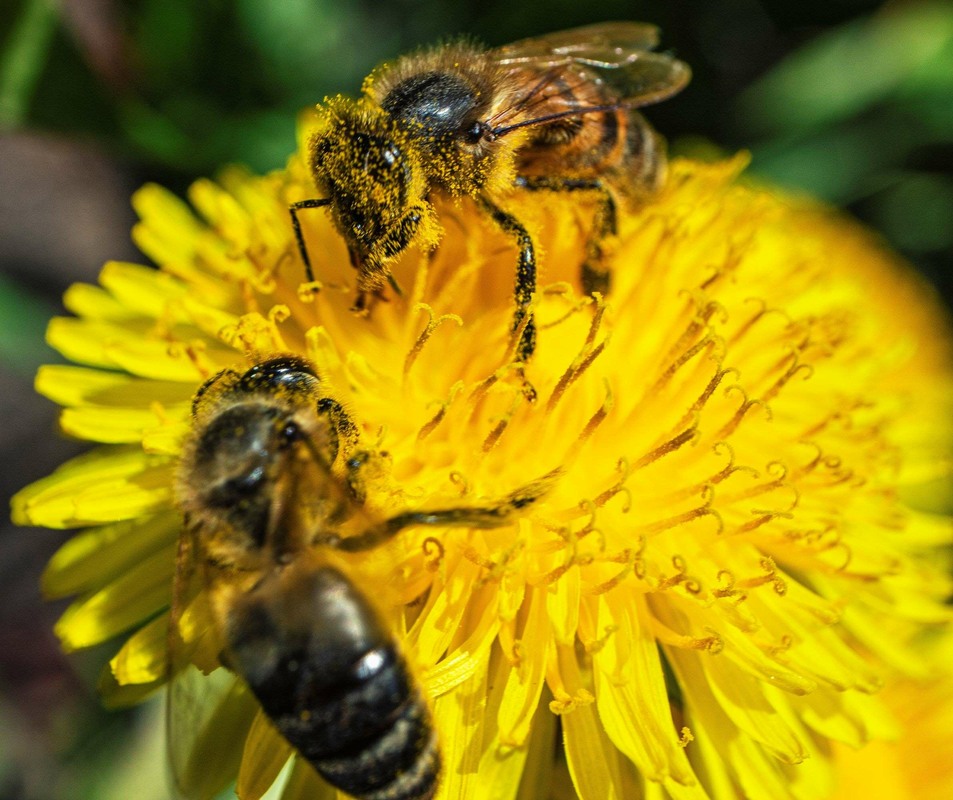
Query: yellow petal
x,y
93,302
928,530
209,319
79,386
466,658
97,555
440,618
524,679
502,763
84,341
744,700
166,439
460,723
108,484
202,740
630,685
757,772
304,784
214,202
265,755
594,762
137,595
108,425
562,601
539,765
157,359
117,695
141,289
144,657
168,227
713,770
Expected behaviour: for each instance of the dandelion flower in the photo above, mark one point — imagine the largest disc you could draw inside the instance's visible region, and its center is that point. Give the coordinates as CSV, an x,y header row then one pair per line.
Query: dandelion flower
x,y
724,571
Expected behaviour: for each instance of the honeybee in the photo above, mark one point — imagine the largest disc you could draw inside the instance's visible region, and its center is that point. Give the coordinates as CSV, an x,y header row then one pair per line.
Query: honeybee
x,y
271,488
553,113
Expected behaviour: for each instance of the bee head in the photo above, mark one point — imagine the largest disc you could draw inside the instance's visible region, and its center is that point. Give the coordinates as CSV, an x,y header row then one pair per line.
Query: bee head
x,y
368,168
233,467
246,451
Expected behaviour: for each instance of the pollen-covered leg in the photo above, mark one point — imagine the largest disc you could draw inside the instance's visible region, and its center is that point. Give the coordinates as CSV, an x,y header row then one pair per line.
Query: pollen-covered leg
x,y
523,319
494,515
345,430
594,273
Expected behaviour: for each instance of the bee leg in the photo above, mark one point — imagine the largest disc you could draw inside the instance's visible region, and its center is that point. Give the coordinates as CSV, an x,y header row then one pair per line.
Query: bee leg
x,y
294,208
492,516
345,430
525,278
594,275
366,300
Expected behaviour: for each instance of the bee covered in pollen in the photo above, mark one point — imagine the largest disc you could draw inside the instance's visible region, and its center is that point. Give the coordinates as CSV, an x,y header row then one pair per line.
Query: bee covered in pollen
x,y
271,488
555,113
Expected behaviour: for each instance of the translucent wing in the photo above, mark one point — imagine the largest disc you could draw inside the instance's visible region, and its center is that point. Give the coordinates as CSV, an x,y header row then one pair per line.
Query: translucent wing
x,y
204,704
604,44
205,735
614,59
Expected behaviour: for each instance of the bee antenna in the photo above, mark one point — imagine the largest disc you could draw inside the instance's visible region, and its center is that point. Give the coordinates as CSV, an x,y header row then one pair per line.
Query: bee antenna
x,y
574,112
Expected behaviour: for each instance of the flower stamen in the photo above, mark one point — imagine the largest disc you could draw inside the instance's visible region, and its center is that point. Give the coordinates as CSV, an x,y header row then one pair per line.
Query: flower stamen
x,y
195,352
428,427
746,405
623,467
668,447
587,354
428,331
789,373
266,268
770,576
503,423
707,343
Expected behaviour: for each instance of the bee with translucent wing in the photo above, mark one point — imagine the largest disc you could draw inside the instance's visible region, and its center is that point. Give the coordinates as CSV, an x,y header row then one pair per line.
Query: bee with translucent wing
x,y
271,491
553,113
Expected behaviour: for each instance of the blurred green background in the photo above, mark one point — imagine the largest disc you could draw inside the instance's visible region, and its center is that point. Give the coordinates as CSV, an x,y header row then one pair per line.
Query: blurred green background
x,y
851,100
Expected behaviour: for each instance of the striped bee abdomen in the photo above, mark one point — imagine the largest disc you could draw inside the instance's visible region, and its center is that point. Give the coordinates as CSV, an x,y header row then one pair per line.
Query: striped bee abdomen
x,y
331,678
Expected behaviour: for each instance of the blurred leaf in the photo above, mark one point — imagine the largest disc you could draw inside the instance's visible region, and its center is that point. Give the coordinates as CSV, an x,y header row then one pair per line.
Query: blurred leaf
x,y
22,62
844,72
304,41
156,134
838,163
23,319
916,212
857,111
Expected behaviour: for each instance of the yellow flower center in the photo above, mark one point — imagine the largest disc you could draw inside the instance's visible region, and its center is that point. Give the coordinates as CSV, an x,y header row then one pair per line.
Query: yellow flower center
x,y
720,570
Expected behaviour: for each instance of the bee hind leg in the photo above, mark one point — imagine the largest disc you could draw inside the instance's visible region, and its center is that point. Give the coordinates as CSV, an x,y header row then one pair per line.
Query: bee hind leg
x,y
594,275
